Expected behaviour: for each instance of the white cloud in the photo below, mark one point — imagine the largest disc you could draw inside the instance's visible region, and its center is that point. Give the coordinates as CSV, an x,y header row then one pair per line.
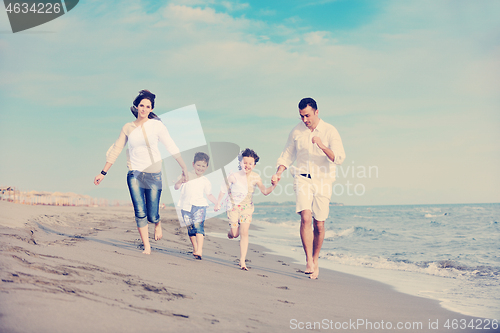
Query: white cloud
x,y
234,6
414,59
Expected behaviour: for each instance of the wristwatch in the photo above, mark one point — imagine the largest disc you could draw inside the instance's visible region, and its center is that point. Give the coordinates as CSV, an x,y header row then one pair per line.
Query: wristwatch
x,y
103,172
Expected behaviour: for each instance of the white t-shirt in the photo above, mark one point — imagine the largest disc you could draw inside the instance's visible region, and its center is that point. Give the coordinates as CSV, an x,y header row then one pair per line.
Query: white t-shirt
x,y
194,191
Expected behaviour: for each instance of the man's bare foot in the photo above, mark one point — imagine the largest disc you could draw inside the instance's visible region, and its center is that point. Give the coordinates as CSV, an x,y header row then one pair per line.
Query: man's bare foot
x,y
158,231
147,249
315,274
309,269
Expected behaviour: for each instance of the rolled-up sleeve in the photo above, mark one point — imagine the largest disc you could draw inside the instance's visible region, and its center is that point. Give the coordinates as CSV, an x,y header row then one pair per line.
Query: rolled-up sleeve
x,y
337,147
117,147
289,153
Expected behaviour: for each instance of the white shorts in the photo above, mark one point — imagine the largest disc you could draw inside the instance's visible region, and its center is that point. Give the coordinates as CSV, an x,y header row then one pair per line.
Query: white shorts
x,y
313,195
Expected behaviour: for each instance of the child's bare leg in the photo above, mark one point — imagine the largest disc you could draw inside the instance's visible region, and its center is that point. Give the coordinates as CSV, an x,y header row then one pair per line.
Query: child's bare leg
x,y
233,233
243,244
195,244
143,232
158,231
199,240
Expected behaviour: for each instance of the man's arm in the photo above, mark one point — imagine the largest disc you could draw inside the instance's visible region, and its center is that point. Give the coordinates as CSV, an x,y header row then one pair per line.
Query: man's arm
x,y
335,144
328,152
286,158
277,177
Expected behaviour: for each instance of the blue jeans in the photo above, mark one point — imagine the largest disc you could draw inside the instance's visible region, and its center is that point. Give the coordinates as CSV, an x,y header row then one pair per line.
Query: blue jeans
x,y
195,220
145,191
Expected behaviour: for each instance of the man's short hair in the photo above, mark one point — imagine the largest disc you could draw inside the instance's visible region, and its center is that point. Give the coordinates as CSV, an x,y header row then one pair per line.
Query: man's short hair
x,y
201,156
308,101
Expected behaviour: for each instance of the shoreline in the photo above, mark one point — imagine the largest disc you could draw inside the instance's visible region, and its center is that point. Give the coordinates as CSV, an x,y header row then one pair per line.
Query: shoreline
x,y
407,282
81,269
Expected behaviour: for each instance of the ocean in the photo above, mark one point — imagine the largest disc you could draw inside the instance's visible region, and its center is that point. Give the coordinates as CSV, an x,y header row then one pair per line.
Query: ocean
x,y
445,252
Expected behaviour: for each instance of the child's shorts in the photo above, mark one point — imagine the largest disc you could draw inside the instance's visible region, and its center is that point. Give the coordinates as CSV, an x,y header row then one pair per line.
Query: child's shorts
x,y
240,214
195,220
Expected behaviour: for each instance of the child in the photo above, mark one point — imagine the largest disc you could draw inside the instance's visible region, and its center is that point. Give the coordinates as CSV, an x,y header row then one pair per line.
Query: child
x,y
240,206
193,203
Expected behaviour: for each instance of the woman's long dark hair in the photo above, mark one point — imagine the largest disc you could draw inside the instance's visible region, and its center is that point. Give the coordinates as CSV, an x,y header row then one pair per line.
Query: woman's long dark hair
x,y
144,94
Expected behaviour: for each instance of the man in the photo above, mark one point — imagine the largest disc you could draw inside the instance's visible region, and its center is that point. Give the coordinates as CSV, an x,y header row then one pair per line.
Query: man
x,y
317,148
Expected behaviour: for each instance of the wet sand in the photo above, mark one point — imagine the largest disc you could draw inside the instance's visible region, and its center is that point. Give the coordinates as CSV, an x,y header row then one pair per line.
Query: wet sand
x,y
81,269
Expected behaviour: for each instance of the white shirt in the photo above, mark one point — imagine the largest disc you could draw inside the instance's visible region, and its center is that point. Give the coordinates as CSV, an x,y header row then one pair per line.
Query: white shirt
x,y
194,191
310,158
243,188
138,157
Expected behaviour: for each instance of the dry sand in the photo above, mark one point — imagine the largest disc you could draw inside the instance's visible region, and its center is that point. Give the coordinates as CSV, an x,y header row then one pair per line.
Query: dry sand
x,y
79,269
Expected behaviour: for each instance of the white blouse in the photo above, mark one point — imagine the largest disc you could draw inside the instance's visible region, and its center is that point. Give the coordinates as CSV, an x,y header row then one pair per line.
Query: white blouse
x,y
138,157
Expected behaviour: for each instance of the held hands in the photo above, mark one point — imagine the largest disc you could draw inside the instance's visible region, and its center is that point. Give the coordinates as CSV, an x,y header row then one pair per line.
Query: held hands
x,y
98,179
275,179
184,176
217,206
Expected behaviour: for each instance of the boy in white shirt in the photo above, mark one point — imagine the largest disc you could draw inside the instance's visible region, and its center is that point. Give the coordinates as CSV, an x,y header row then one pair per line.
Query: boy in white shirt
x,y
192,202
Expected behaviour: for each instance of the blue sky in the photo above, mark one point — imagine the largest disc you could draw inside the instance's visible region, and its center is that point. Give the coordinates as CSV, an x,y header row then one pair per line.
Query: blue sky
x,y
412,87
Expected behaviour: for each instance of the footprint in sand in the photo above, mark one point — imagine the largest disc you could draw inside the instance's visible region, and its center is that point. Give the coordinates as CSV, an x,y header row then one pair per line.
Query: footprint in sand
x,y
286,302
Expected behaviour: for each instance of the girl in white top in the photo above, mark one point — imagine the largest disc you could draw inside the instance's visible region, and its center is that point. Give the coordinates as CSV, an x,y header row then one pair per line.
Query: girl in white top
x,y
240,200
144,162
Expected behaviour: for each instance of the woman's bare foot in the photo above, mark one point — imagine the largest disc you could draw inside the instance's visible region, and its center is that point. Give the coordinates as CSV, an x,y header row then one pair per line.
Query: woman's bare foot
x,y
158,231
244,268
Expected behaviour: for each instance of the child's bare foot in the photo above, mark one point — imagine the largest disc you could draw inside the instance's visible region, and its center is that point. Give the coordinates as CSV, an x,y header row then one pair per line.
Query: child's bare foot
x,y
147,249
158,231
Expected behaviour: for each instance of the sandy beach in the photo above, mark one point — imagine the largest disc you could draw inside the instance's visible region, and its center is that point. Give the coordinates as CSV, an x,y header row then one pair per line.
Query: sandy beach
x,y
81,269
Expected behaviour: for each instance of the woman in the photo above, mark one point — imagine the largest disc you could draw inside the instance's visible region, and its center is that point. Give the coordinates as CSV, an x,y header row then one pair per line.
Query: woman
x,y
144,163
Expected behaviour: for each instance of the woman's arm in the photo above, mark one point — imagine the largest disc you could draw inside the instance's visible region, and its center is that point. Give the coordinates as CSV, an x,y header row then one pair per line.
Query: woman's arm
x,y
117,147
113,152
100,177
179,160
179,182
167,141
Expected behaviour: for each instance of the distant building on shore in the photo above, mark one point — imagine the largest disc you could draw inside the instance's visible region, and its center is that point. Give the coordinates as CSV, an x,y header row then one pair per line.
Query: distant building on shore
x,y
12,194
